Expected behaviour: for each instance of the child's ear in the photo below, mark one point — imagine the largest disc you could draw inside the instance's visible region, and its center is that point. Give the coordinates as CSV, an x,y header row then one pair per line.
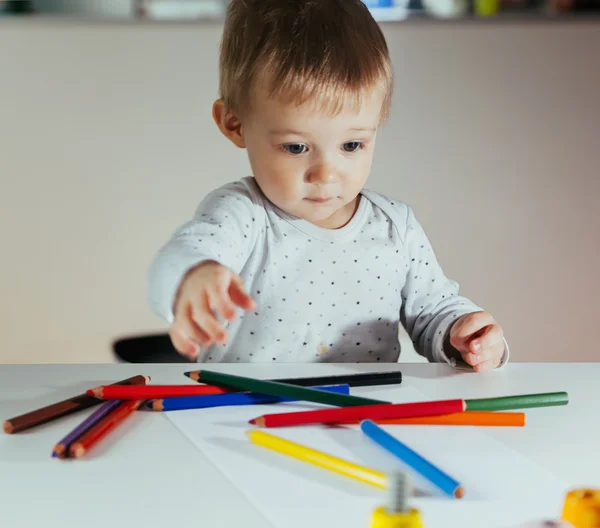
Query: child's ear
x,y
229,123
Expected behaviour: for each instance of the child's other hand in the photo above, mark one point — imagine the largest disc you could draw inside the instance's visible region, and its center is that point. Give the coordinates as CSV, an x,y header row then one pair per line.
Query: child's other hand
x,y
207,291
479,339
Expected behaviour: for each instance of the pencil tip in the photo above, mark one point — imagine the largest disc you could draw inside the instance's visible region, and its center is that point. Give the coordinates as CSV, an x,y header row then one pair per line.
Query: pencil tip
x,y
187,374
459,492
147,378
77,451
253,421
98,392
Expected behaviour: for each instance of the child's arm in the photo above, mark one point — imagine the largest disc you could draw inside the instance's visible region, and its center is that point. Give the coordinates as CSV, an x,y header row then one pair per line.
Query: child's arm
x,y
222,230
431,305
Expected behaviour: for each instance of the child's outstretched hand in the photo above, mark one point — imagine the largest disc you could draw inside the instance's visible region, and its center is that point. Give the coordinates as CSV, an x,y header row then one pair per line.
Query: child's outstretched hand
x,y
479,339
207,291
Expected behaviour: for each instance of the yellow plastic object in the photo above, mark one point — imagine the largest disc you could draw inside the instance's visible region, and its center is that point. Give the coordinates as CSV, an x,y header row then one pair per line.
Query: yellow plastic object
x,y
382,518
486,7
582,508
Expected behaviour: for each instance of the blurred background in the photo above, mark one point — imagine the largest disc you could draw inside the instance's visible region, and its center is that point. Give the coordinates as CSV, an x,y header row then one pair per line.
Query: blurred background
x,y
107,145
383,10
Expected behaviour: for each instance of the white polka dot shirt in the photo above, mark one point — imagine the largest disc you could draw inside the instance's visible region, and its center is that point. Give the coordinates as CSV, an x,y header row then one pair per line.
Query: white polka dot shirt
x,y
322,295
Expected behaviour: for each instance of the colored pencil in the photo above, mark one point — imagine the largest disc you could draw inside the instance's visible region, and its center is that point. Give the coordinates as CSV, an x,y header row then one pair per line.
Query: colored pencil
x,y
222,400
61,449
523,401
361,379
147,392
474,418
283,390
60,409
318,458
97,432
390,410
425,468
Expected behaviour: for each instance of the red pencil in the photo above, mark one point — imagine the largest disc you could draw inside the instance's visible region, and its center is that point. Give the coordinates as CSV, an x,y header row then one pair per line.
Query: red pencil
x,y
361,412
150,392
102,428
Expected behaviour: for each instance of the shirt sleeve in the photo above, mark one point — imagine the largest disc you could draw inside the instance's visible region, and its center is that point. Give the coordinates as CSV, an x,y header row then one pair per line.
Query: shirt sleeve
x,y
431,301
222,230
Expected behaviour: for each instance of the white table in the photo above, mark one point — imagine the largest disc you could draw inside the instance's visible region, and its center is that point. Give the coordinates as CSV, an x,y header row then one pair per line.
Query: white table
x,y
149,474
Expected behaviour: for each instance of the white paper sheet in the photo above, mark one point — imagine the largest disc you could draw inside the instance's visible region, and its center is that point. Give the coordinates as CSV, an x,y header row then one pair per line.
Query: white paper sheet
x,y
503,488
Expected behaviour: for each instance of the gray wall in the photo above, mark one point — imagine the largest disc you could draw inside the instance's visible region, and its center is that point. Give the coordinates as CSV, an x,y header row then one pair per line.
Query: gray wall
x,y
107,144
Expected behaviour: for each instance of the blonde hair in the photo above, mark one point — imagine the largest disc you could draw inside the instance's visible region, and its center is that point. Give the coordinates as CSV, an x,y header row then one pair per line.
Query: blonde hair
x,y
324,51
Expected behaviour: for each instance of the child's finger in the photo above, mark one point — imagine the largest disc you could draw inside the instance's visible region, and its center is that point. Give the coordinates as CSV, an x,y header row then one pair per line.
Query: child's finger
x,y
185,332
488,337
219,301
193,331
182,343
493,354
457,339
476,359
471,324
202,315
490,364
459,342
239,295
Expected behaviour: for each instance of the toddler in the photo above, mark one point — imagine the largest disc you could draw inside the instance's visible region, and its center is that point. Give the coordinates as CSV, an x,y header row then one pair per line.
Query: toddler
x,y
300,262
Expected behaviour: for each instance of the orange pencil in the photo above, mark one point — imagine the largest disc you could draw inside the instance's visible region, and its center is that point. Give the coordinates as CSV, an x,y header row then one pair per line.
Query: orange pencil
x,y
514,419
103,427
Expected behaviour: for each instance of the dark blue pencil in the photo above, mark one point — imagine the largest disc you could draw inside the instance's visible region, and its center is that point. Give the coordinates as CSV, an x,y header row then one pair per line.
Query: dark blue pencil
x,y
436,476
234,398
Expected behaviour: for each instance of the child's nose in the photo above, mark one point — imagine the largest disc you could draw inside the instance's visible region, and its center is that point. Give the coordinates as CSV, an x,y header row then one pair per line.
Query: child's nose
x,y
322,173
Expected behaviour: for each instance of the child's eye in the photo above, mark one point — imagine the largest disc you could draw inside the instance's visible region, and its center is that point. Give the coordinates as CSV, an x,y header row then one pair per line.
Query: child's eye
x,y
295,148
352,146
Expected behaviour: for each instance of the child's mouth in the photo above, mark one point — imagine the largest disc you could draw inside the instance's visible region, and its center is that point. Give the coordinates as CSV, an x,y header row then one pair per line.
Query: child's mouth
x,y
319,200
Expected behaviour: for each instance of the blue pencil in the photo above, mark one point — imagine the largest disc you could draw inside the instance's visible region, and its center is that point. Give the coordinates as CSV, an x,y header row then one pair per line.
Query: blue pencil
x,y
228,399
437,477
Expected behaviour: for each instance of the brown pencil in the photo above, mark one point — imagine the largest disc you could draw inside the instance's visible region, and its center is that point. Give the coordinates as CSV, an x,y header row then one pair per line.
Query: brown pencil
x,y
62,408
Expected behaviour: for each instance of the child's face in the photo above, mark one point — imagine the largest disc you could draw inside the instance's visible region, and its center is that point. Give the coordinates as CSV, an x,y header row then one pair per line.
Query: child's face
x,y
309,163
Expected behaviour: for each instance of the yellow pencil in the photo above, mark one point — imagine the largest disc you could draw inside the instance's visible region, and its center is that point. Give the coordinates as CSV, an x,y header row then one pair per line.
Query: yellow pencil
x,y
323,460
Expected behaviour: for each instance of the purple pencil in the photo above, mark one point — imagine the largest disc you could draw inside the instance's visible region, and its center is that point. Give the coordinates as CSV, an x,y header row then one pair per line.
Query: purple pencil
x,y
61,449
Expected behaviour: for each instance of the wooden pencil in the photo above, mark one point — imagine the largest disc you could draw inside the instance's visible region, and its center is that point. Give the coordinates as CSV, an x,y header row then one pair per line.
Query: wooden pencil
x,y
222,400
521,401
473,418
425,468
360,379
283,390
147,392
60,409
390,410
96,433
318,458
61,449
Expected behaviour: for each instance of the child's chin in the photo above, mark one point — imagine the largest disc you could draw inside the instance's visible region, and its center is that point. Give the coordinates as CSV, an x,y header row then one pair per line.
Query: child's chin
x,y
315,216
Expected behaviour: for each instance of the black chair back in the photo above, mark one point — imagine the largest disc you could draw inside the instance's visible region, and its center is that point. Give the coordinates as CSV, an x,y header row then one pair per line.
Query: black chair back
x,y
153,348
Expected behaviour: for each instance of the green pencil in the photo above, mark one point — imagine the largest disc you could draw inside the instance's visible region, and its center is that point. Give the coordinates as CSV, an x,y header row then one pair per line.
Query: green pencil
x,y
283,390
523,401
